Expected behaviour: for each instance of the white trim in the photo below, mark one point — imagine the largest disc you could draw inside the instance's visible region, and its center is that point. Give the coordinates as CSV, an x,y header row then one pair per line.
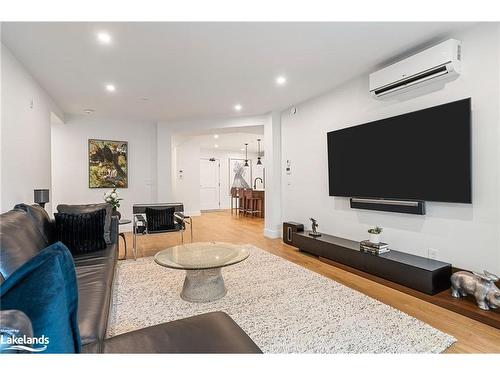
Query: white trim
x,y
192,213
270,233
125,228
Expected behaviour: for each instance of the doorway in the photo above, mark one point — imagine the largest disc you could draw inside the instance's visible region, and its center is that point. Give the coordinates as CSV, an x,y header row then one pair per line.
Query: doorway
x,y
209,184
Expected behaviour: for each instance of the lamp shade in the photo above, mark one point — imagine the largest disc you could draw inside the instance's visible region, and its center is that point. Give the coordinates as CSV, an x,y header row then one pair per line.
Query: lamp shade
x,y
41,196
259,162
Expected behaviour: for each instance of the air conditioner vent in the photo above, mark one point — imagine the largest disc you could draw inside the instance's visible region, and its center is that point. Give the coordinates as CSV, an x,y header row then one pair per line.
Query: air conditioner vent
x,y
417,77
440,63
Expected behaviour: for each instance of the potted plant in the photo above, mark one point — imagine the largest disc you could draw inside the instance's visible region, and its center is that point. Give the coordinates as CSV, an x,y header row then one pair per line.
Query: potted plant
x,y
112,198
375,234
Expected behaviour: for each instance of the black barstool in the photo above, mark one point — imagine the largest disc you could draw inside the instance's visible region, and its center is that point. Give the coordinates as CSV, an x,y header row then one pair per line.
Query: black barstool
x,y
256,204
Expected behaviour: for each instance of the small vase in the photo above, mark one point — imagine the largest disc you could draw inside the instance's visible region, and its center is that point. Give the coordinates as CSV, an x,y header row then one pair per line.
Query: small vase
x,y
116,213
374,237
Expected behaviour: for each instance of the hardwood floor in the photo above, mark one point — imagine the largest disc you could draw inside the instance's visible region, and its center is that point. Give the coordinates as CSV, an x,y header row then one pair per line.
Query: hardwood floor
x,y
472,336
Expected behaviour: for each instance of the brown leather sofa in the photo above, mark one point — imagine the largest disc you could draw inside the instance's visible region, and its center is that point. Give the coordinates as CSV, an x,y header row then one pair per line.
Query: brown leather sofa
x,y
27,229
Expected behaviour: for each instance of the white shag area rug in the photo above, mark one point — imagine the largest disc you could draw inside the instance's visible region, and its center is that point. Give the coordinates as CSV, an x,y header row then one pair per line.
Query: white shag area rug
x,y
283,307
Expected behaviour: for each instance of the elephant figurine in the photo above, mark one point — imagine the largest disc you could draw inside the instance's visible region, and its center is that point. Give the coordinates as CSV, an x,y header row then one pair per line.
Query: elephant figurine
x,y
481,286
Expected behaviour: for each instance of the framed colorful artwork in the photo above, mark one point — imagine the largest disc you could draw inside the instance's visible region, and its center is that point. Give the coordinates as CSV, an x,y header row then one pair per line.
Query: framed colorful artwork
x,y
108,164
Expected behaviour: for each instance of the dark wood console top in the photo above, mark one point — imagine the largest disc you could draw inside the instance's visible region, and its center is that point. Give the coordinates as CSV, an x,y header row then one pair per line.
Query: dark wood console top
x,y
393,255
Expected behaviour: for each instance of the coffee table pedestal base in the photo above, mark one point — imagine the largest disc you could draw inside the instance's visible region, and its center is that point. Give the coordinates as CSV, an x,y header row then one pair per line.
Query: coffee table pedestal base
x,y
203,285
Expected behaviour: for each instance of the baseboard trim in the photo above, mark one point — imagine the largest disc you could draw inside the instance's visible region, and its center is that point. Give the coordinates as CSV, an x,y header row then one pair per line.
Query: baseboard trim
x,y
192,213
270,233
126,228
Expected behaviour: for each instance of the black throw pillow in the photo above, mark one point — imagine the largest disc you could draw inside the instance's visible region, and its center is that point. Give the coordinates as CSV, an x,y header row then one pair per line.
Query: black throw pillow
x,y
77,209
160,219
81,233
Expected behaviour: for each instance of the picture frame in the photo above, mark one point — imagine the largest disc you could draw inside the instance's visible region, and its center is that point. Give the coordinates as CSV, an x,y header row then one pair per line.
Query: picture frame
x,y
107,164
242,180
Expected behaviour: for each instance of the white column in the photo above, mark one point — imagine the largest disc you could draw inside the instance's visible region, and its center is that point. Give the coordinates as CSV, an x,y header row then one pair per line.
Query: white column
x,y
187,188
272,152
164,169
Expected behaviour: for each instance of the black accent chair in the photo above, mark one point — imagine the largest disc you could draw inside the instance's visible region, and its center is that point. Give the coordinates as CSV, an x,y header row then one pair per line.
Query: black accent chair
x,y
160,219
156,218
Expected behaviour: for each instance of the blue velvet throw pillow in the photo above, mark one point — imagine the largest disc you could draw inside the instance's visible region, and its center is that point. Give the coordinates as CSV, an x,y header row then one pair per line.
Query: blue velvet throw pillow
x,y
45,289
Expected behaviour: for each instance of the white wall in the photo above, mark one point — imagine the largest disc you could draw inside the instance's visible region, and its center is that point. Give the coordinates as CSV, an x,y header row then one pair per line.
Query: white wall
x,y
25,134
167,133
272,145
70,160
465,235
165,166
224,156
187,159
187,183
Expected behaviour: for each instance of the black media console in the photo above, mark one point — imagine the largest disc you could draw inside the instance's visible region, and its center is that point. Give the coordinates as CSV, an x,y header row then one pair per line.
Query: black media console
x,y
426,275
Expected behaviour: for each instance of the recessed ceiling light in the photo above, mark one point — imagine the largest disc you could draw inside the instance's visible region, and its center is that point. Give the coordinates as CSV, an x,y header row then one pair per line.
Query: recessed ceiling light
x,y
89,111
216,146
242,149
280,80
216,136
110,87
104,37
238,107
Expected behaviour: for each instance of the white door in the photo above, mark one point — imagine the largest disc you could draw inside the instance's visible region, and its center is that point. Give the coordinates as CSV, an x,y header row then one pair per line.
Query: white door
x,y
209,184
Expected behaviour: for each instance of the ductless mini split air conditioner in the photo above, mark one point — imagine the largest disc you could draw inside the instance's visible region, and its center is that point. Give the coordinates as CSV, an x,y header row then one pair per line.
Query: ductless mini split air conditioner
x,y
440,63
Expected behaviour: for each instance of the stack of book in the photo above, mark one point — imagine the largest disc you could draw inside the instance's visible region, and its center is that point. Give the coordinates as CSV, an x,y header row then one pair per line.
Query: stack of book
x,y
374,248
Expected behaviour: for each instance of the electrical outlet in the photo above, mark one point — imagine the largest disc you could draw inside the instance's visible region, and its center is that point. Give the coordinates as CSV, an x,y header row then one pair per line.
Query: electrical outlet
x,y
433,253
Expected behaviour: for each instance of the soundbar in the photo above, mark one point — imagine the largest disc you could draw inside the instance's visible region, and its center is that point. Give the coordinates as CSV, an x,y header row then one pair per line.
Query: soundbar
x,y
391,205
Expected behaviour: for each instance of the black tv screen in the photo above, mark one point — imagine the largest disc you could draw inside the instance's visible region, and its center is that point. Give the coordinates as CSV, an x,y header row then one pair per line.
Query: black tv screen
x,y
423,155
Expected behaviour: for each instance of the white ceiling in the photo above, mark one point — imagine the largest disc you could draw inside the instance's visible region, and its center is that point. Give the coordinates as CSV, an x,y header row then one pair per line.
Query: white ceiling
x,y
201,70
231,142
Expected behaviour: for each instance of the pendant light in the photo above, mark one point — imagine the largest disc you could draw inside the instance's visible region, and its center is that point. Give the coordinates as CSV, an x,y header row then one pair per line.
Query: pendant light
x,y
259,162
246,155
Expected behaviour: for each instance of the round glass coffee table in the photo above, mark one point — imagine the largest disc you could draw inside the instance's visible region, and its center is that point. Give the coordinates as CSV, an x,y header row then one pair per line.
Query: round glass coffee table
x,y
203,262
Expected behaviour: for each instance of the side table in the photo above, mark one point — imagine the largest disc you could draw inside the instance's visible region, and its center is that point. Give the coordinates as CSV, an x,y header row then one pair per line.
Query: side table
x,y
122,235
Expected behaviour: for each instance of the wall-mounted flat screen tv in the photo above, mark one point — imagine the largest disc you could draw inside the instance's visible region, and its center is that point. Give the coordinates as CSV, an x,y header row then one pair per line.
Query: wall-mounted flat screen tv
x,y
423,155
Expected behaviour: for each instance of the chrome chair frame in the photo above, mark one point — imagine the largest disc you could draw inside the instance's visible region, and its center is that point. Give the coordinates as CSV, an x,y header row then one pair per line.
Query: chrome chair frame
x,y
179,218
183,220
